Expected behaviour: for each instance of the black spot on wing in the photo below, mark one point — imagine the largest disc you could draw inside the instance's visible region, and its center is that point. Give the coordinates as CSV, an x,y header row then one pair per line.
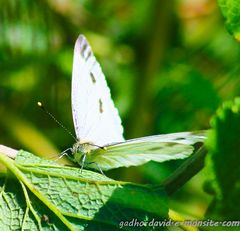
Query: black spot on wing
x,y
179,138
92,77
155,148
162,146
170,144
89,54
85,49
100,106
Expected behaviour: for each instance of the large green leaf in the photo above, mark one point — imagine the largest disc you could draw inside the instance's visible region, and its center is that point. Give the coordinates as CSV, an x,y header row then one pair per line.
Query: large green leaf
x,y
225,161
231,12
38,194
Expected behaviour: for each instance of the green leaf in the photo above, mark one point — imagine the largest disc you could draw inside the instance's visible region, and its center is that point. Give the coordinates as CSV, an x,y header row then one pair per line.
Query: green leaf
x,y
224,159
41,195
231,12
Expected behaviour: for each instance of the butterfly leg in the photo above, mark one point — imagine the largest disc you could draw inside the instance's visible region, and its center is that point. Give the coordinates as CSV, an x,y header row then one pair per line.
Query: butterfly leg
x,y
82,164
64,152
100,170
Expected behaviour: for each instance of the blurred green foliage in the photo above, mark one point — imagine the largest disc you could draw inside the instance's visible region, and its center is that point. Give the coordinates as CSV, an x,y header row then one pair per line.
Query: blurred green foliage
x,y
230,10
224,161
169,66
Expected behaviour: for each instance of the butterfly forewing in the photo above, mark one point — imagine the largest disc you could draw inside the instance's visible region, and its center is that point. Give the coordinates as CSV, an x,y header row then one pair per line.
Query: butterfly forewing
x,y
179,137
141,150
95,117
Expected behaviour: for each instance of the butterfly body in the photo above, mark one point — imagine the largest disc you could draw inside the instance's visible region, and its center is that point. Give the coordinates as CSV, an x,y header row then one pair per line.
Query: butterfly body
x,y
98,127
82,150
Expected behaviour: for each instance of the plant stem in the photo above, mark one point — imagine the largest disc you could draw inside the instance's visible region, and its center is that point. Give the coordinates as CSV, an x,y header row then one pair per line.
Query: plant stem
x,y
186,171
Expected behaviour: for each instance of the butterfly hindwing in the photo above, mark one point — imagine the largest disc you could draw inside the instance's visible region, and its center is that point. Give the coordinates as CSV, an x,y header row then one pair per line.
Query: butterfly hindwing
x,y
95,117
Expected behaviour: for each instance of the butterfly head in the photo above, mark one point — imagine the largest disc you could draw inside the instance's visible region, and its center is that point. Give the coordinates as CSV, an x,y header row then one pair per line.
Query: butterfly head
x,y
81,149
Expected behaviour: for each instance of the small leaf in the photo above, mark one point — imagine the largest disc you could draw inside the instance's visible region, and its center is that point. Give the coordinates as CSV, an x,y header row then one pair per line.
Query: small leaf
x,y
231,12
48,196
224,159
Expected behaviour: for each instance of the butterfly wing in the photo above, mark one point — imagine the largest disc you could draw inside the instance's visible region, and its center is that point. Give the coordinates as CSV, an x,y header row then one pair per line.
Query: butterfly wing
x,y
95,117
138,151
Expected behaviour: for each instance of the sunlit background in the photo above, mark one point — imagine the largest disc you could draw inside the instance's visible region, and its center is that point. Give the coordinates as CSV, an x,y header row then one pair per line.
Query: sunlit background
x,y
169,66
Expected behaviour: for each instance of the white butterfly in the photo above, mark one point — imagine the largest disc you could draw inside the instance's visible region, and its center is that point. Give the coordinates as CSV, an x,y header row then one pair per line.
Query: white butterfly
x,y
98,126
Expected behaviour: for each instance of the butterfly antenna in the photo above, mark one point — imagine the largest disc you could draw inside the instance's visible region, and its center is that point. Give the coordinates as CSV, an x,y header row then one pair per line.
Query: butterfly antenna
x,y
53,117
